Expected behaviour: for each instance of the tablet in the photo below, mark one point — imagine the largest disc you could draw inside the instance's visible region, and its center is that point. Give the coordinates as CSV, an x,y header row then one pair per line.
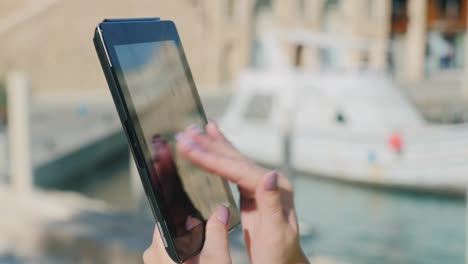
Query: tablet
x,y
155,97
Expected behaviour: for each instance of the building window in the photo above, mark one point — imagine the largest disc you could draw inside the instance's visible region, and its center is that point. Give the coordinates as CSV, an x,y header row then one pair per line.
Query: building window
x,y
449,8
230,9
399,9
298,56
399,16
301,8
331,5
370,8
226,64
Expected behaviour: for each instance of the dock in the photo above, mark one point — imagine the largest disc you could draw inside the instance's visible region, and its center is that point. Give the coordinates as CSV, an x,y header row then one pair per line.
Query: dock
x,y
59,226
447,105
67,139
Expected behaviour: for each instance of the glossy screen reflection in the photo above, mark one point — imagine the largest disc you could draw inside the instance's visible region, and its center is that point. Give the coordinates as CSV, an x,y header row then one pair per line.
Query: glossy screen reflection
x,y
161,92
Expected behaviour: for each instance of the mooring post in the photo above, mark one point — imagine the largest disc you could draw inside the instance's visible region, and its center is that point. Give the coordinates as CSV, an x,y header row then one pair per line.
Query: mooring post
x,y
19,134
286,132
3,158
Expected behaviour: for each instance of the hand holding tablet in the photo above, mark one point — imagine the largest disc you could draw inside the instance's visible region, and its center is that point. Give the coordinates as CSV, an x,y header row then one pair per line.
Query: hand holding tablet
x,y
156,98
184,171
269,224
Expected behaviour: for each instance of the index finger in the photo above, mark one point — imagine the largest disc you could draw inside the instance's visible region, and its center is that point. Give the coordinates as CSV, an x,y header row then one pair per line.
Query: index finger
x,y
241,172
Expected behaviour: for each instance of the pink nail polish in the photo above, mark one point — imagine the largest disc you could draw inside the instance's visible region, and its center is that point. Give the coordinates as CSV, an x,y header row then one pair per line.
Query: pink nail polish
x,y
271,182
188,143
191,222
179,136
211,121
196,129
223,214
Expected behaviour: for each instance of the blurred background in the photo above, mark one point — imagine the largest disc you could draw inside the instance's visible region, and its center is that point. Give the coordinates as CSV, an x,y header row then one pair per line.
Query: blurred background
x,y
362,102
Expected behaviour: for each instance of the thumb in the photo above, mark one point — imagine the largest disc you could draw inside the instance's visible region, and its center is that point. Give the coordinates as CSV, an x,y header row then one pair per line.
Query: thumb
x,y
268,196
216,248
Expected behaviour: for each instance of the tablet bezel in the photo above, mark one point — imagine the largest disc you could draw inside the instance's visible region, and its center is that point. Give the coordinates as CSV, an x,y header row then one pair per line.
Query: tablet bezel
x,y
132,32
140,31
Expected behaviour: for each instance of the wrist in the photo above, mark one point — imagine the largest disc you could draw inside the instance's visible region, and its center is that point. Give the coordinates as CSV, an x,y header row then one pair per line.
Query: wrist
x,y
302,260
300,257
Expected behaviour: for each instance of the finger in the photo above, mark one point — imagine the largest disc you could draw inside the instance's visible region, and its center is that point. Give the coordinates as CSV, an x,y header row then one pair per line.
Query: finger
x,y
269,200
216,248
209,143
162,160
191,222
156,253
212,129
245,174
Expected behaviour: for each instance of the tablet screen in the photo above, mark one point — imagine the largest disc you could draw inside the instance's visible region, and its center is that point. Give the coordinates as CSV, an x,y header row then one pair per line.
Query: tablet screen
x,y
160,87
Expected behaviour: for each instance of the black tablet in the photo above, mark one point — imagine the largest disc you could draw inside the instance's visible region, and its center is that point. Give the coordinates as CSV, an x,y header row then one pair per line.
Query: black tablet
x,y
155,96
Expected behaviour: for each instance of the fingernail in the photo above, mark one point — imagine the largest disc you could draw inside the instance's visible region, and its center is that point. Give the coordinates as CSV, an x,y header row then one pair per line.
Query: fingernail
x,y
179,136
223,214
188,143
196,129
271,182
191,222
213,123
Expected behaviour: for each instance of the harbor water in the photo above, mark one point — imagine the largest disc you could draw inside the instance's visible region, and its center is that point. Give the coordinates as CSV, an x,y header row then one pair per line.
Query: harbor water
x,y
361,225
352,224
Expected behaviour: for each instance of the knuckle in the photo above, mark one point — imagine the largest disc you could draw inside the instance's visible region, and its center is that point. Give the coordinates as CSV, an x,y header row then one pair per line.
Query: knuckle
x,y
275,206
273,200
276,209
214,227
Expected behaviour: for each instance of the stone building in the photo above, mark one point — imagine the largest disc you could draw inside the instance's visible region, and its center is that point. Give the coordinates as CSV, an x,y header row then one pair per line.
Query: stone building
x,y
363,25
433,35
51,40
413,38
